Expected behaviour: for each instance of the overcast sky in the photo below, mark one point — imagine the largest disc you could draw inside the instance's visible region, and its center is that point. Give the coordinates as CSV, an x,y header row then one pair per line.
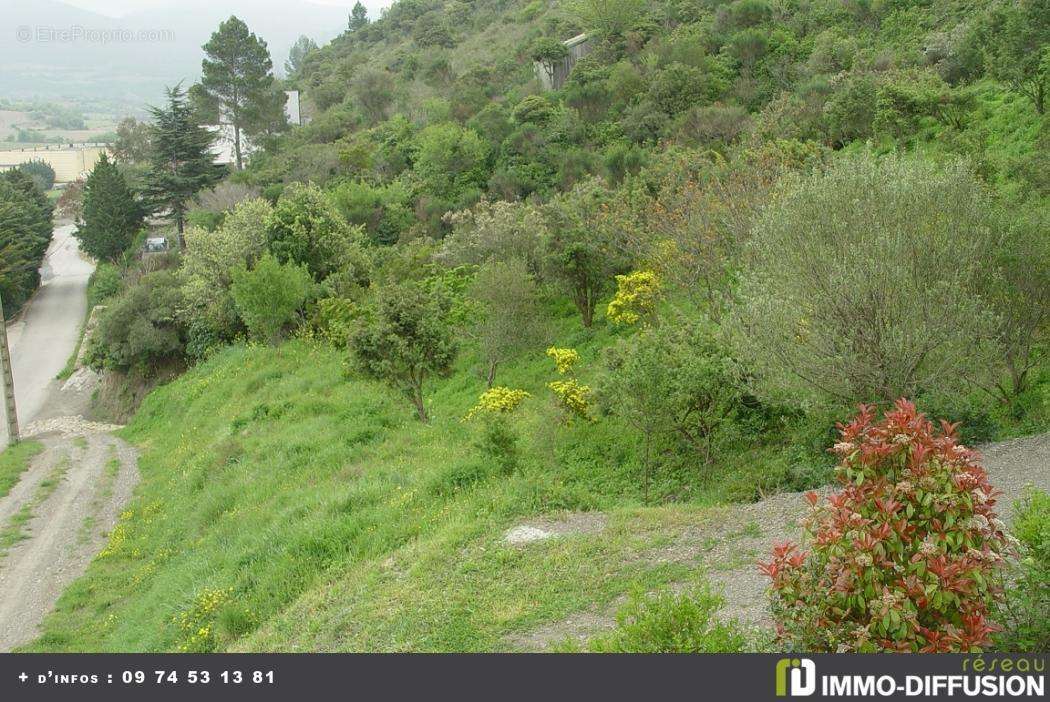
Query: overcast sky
x,y
116,8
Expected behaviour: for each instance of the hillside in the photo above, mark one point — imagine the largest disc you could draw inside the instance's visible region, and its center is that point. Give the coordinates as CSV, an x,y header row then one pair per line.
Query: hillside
x,y
466,365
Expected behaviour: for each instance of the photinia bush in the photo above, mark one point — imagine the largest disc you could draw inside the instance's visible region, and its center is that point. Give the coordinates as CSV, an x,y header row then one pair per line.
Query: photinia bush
x,y
907,556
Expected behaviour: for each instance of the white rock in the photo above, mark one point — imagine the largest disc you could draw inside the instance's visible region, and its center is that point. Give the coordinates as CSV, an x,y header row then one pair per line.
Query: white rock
x,y
67,426
526,534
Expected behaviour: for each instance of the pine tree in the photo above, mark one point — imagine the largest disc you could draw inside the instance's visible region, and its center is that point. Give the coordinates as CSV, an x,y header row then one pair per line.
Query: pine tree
x,y
358,17
238,80
181,163
297,55
111,217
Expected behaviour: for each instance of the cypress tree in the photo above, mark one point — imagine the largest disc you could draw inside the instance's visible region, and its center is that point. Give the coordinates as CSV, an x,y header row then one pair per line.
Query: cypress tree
x,y
181,162
111,217
21,244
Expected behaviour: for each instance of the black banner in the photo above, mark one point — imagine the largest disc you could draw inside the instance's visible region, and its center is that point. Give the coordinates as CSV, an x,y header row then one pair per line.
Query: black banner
x,y
536,678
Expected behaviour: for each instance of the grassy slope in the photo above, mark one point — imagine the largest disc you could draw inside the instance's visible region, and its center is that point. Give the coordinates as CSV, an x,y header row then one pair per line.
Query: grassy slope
x,y
13,462
284,506
267,474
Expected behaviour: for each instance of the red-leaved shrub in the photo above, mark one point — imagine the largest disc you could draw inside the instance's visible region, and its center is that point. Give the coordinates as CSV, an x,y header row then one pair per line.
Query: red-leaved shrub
x,y
907,556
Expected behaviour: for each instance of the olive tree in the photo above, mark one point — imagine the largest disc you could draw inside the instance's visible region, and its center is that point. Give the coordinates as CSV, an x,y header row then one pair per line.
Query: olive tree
x,y
862,282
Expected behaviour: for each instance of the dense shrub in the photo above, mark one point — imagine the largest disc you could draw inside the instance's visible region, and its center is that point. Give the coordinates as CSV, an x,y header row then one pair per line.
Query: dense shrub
x,y
907,556
269,296
306,228
494,231
139,329
209,258
862,305
105,283
676,387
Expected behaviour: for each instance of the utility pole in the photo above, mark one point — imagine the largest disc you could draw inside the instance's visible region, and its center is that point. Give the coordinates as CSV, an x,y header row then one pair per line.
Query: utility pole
x,y
9,381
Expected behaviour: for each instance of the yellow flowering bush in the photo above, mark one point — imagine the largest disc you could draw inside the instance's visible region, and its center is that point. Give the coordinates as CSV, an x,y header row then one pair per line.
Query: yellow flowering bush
x,y
564,359
636,297
573,397
197,624
498,401
499,441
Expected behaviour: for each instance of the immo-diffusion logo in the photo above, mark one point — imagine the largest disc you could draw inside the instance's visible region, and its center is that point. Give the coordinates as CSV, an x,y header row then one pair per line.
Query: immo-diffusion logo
x,y
802,678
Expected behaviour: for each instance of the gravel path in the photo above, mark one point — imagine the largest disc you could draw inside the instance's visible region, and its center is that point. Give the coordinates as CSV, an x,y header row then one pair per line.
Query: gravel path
x,y
95,474
726,542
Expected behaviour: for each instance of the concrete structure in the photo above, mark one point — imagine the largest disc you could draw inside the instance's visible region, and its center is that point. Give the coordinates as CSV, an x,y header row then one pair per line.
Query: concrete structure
x,y
222,147
70,161
552,75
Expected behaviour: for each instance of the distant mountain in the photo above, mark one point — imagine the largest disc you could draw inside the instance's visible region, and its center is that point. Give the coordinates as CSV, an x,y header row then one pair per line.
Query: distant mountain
x,y
52,50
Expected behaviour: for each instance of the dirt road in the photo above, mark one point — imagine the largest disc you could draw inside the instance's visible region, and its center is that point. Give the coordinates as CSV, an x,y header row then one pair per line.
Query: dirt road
x,y
56,518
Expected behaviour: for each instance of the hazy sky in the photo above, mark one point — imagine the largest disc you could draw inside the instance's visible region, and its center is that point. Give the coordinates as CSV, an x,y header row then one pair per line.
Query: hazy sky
x,y
116,8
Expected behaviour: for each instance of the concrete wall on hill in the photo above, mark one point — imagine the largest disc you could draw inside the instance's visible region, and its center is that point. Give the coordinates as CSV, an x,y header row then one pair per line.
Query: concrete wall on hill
x,y
69,161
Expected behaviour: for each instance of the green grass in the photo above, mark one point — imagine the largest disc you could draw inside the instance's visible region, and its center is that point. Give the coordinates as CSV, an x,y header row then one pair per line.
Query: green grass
x,y
271,478
14,460
15,529
286,506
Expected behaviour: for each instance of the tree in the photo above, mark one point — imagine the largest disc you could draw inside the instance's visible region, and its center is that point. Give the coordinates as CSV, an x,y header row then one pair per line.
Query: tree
x,y
863,283
608,18
1021,297
41,172
181,162
675,386
580,251
70,204
111,214
207,308
21,244
269,295
1018,48
407,339
237,78
297,55
358,17
132,144
508,319
306,228
547,52
38,208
